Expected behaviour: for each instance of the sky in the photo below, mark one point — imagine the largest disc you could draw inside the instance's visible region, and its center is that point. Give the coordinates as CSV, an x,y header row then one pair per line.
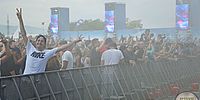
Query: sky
x,y
153,13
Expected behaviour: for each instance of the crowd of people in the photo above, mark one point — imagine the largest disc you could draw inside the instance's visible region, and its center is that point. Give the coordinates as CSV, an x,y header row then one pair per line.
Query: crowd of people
x,y
28,55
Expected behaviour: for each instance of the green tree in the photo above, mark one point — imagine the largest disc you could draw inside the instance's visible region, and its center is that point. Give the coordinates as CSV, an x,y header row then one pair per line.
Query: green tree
x,y
87,25
133,24
97,24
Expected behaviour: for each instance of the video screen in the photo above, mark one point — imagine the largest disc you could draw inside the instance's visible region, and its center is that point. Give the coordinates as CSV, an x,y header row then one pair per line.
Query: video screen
x,y
182,17
54,24
109,21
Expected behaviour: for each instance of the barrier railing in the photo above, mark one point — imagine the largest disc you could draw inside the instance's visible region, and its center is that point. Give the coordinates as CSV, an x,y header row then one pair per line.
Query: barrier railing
x,y
144,81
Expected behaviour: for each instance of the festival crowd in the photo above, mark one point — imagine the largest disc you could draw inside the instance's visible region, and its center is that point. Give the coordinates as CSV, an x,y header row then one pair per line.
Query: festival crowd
x,y
28,55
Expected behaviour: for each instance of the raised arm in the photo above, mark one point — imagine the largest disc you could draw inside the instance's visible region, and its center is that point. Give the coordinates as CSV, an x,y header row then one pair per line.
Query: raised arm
x,y
21,24
65,46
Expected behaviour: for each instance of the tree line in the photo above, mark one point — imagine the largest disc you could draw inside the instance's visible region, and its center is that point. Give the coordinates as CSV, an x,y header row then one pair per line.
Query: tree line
x,y
98,24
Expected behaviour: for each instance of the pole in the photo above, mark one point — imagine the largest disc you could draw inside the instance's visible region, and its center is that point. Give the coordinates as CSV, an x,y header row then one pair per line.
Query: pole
x,y
43,23
8,27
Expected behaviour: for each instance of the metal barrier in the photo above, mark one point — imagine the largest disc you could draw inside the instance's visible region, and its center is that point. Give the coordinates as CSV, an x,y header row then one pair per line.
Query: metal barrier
x,y
161,80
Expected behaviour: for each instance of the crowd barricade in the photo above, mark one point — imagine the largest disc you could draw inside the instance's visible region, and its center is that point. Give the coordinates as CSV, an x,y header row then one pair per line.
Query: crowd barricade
x,y
160,80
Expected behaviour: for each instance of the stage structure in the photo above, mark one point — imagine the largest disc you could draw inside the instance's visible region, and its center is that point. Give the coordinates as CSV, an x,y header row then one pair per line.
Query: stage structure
x,y
115,17
195,16
187,16
59,21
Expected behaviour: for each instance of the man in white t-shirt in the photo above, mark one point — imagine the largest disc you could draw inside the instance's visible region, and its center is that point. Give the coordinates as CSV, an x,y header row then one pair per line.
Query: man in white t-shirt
x,y
112,55
37,59
67,59
37,56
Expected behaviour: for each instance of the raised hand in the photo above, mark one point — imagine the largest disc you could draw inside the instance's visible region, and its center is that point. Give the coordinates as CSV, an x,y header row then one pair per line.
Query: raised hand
x,y
21,23
19,13
80,37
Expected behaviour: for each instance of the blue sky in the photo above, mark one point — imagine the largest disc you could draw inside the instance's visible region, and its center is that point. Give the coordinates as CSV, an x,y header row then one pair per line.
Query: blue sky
x,y
153,13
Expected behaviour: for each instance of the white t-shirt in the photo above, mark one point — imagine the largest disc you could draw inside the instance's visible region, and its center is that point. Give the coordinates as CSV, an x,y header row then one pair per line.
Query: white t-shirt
x,y
67,56
36,61
112,56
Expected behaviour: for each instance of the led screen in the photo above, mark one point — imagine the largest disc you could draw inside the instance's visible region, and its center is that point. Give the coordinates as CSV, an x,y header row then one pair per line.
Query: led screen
x,y
54,24
109,21
182,16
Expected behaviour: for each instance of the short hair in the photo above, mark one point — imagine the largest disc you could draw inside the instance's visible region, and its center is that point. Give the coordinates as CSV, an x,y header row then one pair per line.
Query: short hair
x,y
62,42
113,44
42,37
108,41
95,40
